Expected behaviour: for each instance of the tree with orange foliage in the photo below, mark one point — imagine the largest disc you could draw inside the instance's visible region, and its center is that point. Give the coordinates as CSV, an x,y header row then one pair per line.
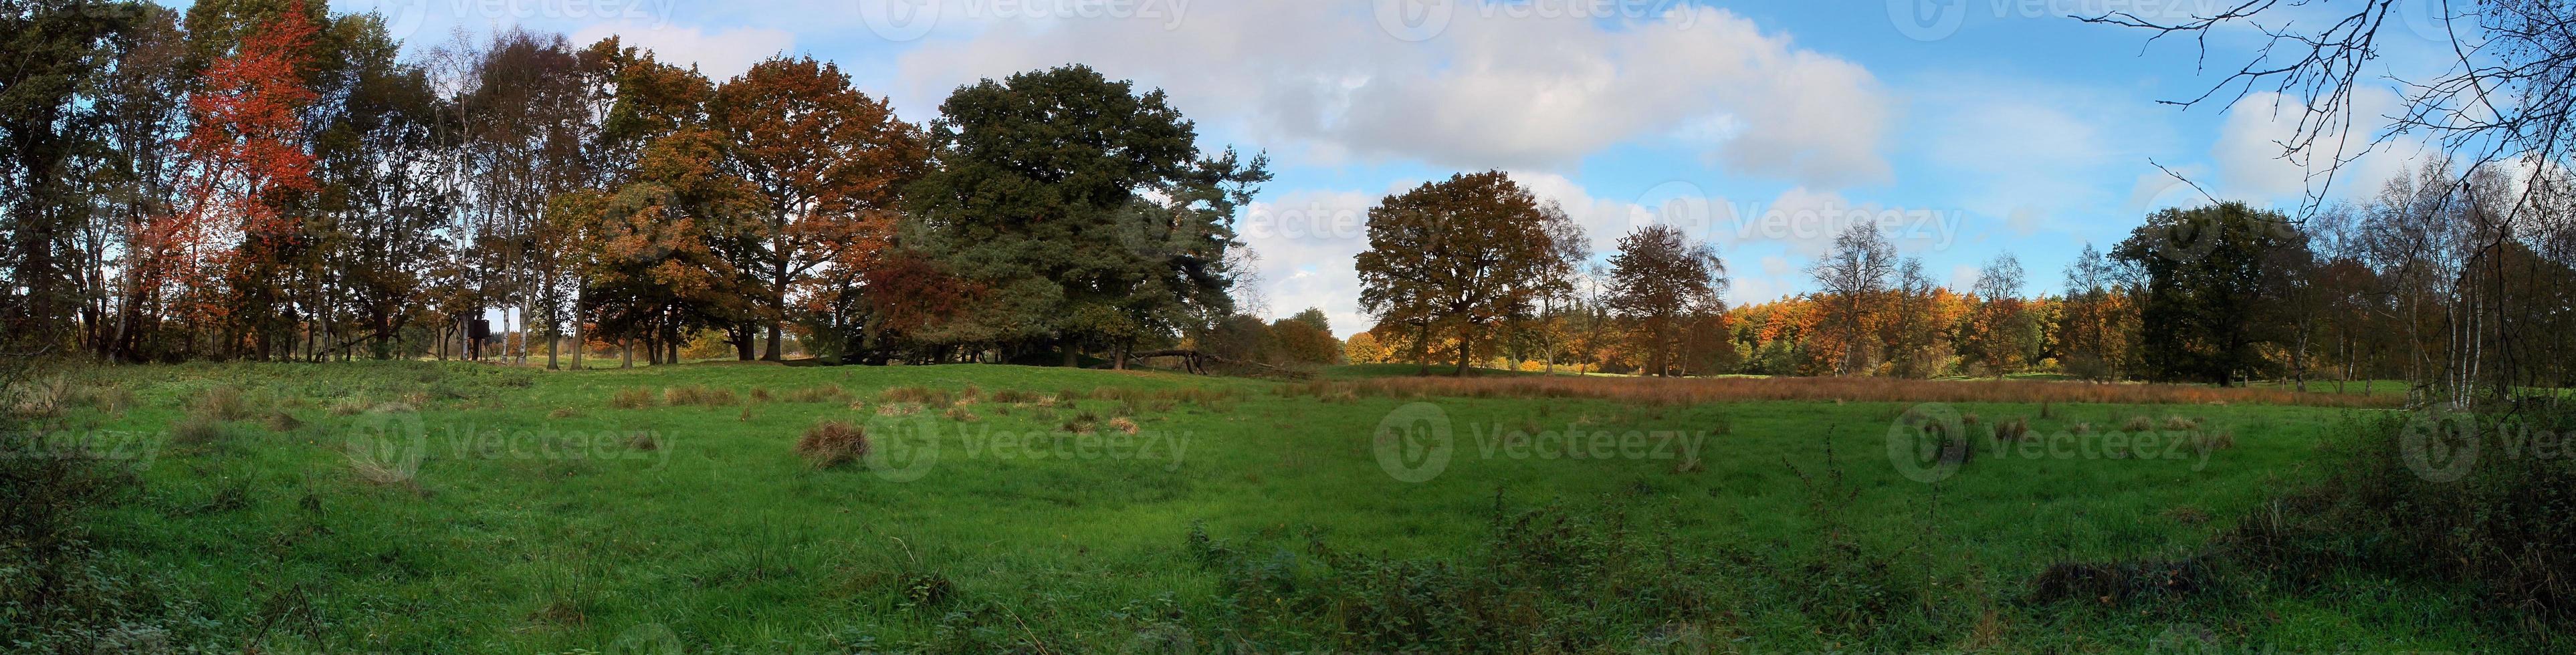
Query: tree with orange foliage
x,y
245,157
830,162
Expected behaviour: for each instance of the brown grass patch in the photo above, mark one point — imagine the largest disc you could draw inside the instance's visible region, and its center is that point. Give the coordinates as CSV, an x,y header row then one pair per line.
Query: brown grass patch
x,y
960,414
2204,442
197,429
832,443
923,396
2138,424
643,441
1123,424
282,422
632,398
828,393
1705,390
698,395
223,403
561,413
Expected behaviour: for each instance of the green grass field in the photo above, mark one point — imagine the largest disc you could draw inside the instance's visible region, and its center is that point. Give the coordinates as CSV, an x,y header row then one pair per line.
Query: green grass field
x,y
414,507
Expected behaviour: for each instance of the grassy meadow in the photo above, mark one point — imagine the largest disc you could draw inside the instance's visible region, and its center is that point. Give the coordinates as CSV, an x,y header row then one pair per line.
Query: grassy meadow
x,y
419,507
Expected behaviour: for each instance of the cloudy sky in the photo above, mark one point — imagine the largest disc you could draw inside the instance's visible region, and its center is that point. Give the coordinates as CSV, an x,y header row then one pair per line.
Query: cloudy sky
x,y
1969,127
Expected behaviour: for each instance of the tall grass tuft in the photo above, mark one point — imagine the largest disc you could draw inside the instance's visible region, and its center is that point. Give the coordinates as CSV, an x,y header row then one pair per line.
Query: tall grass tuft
x,y
832,443
631,398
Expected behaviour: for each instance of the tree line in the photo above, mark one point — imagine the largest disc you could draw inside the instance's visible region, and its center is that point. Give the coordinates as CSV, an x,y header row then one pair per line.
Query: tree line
x,y
2455,284
263,179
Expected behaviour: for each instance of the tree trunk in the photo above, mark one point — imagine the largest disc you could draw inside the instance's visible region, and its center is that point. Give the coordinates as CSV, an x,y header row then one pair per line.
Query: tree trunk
x,y
1462,353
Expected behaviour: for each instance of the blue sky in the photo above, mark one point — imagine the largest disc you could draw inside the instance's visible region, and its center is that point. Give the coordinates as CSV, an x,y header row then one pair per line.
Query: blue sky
x,y
1998,126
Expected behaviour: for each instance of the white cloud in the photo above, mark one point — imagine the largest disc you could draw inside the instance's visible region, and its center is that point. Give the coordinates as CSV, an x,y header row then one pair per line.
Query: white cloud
x,y
1491,90
2249,150
720,55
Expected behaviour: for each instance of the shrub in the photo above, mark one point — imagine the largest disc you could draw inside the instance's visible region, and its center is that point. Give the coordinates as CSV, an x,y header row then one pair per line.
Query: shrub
x,y
833,443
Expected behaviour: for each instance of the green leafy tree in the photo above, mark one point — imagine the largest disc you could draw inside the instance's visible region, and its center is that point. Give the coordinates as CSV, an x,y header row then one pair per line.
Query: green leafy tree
x,y
2208,288
1085,209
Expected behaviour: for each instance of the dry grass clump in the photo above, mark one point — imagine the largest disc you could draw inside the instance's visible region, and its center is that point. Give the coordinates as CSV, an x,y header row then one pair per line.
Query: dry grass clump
x,y
2180,423
561,413
112,399
2013,430
2204,442
923,396
698,395
1015,396
197,429
828,393
631,398
349,407
760,394
960,414
377,472
2138,424
832,443
281,422
39,398
1123,424
643,441
1666,391
223,403
1083,422
898,409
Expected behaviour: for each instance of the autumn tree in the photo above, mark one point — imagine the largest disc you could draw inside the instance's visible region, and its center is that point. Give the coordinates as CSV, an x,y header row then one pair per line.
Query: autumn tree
x,y
1459,255
1660,282
1853,278
247,156
829,160
1999,334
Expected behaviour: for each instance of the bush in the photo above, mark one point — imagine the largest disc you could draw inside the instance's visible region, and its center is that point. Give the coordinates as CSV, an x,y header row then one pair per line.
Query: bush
x,y
833,443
